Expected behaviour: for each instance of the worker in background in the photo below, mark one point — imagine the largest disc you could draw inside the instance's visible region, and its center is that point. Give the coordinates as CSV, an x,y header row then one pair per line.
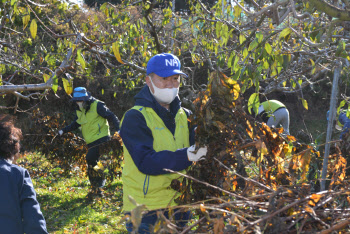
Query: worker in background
x,y
273,113
93,117
343,123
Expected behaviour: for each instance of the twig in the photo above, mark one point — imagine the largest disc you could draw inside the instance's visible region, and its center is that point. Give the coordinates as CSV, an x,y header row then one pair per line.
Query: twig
x,y
207,184
283,209
190,227
246,179
336,227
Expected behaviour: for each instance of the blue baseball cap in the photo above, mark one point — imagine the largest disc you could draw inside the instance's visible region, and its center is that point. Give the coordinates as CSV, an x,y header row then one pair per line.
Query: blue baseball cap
x,y
164,65
80,94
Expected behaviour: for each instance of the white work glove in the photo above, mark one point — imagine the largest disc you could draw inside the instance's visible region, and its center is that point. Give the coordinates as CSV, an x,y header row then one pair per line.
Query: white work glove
x,y
194,157
60,132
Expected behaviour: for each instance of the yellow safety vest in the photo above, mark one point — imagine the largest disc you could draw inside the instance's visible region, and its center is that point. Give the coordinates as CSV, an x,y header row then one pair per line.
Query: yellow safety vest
x,y
154,190
272,105
93,126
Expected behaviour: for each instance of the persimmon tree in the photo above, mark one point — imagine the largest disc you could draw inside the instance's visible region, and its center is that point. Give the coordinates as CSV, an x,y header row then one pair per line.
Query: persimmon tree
x,y
281,45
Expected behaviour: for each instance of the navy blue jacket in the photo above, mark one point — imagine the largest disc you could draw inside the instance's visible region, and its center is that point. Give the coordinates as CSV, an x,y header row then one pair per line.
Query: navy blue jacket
x,y
346,122
19,209
103,111
138,138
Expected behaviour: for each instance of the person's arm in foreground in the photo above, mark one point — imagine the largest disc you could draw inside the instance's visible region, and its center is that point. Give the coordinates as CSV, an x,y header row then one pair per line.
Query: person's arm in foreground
x,y
32,217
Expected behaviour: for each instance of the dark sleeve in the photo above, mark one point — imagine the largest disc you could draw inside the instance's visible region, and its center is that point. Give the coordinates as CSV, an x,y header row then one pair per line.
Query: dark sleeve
x,y
103,111
74,125
138,140
343,119
32,218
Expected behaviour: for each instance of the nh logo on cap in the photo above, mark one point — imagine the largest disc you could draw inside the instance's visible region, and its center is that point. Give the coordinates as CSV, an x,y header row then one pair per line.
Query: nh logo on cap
x,y
171,62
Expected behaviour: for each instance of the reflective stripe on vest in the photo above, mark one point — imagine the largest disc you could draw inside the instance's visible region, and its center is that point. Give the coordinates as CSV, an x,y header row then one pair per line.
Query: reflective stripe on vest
x,y
93,126
154,191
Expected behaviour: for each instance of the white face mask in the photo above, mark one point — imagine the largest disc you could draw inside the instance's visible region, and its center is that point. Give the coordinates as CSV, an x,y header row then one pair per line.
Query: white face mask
x,y
166,95
80,104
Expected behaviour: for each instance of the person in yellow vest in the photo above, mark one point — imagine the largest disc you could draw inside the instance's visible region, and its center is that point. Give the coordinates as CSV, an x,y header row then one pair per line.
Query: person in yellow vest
x,y
343,123
92,117
156,136
273,113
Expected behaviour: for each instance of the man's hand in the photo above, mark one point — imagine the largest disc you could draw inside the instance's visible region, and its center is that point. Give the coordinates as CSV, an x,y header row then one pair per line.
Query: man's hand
x,y
113,132
60,132
194,157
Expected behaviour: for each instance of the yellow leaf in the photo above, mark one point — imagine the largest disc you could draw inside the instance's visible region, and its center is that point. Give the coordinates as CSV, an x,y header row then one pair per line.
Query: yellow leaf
x,y
237,10
46,77
33,28
309,210
241,38
234,185
157,226
315,197
201,206
99,166
305,105
115,48
68,86
25,20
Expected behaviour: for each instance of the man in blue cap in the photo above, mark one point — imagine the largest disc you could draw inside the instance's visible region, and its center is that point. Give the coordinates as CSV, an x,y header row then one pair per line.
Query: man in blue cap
x,y
156,136
92,116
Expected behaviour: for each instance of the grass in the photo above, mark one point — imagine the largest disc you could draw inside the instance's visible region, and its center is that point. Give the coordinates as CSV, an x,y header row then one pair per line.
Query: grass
x,y
63,201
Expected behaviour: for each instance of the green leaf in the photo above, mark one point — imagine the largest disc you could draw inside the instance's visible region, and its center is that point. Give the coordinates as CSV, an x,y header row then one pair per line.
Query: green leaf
x,y
218,29
245,53
25,20
253,102
286,60
313,66
241,39
266,65
285,32
340,48
237,10
235,63
33,28
80,59
229,62
268,48
342,103
55,83
46,77
259,37
253,45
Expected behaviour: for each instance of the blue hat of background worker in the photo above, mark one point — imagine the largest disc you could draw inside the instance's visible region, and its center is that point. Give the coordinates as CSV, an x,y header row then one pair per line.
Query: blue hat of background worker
x,y
164,65
80,94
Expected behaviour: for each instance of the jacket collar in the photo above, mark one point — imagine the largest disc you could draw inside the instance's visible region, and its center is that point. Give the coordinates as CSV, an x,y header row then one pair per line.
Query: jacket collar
x,y
146,99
